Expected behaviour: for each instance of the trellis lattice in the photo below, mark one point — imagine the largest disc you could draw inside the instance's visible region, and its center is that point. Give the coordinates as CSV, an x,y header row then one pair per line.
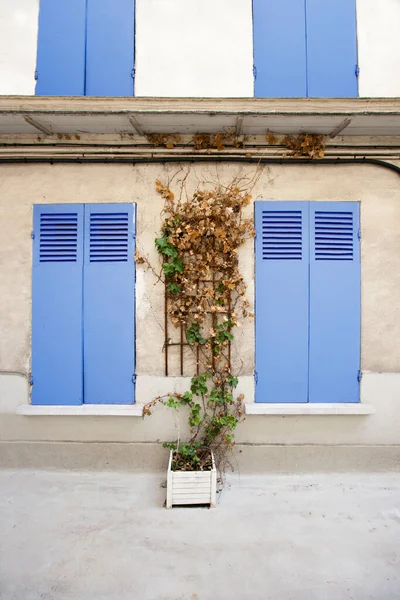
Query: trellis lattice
x,y
176,360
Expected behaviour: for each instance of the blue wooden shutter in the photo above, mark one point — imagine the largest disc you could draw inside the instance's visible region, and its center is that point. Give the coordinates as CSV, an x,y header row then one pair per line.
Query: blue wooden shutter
x,y
331,48
108,300
61,48
282,296
110,48
279,48
57,304
335,300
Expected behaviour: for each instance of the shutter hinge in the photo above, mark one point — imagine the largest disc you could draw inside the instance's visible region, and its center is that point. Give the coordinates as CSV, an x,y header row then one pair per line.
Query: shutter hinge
x,y
359,234
359,376
33,235
255,72
357,71
256,377
36,75
133,73
31,380
134,378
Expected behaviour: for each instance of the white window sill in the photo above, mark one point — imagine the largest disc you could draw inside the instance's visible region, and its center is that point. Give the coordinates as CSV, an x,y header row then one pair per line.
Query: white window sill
x,y
84,410
308,409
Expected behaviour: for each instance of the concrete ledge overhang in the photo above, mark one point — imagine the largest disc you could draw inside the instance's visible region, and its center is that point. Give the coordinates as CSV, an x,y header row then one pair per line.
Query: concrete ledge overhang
x,y
247,116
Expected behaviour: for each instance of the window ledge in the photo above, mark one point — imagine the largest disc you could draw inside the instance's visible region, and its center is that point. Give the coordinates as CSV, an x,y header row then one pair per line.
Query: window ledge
x,y
308,409
84,410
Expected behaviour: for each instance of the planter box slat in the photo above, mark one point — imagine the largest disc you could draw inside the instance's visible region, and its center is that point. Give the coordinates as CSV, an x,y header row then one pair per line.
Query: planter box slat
x,y
192,490
197,498
199,488
191,487
202,481
191,476
191,501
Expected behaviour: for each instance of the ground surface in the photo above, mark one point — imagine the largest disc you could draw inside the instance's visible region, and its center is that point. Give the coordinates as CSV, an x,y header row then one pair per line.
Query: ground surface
x,y
105,536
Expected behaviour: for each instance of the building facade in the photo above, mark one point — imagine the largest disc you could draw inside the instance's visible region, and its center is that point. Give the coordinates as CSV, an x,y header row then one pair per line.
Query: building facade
x,y
99,99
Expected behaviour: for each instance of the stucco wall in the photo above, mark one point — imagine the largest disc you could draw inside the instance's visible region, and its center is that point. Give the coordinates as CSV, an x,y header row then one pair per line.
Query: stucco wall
x,y
21,186
201,47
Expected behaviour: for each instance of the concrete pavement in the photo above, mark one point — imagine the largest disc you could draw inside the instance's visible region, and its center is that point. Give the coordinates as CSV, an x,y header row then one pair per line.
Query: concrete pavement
x,y
105,536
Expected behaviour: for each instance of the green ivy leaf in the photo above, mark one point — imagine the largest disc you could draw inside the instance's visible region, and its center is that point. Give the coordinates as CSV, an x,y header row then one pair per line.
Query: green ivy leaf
x,y
193,334
174,288
172,403
199,384
186,398
233,381
170,445
175,266
178,265
165,247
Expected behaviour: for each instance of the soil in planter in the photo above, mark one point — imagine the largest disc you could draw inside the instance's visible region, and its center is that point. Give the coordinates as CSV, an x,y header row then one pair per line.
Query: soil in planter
x,y
182,463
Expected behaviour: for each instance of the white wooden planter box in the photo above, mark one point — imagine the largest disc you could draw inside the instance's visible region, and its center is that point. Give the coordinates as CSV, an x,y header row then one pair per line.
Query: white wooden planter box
x,y
191,487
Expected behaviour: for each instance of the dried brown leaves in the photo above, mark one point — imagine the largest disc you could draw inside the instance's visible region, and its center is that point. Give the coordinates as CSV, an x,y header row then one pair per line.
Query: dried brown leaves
x,y
207,231
271,138
169,140
311,145
217,141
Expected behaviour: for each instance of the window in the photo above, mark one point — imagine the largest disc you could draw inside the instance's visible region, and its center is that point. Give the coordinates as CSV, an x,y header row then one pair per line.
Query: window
x,y
305,48
307,302
83,304
85,47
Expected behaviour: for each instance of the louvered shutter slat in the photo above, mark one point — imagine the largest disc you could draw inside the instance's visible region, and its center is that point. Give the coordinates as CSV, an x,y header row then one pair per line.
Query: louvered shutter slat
x,y
109,237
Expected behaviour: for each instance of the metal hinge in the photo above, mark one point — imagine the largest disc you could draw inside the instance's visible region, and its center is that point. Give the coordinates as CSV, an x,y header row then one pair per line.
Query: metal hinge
x,y
134,378
357,71
359,234
359,376
36,76
31,380
133,73
255,72
256,377
33,235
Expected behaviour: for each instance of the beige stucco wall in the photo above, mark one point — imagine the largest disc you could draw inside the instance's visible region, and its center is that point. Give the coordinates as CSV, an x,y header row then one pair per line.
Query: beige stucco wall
x,y
21,186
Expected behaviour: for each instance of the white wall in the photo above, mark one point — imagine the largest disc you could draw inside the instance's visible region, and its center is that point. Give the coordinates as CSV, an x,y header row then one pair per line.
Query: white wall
x,y
378,31
201,47
194,48
18,41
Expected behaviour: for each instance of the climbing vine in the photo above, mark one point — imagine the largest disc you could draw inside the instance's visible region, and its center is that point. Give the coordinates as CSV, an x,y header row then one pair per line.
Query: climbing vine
x,y
198,244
